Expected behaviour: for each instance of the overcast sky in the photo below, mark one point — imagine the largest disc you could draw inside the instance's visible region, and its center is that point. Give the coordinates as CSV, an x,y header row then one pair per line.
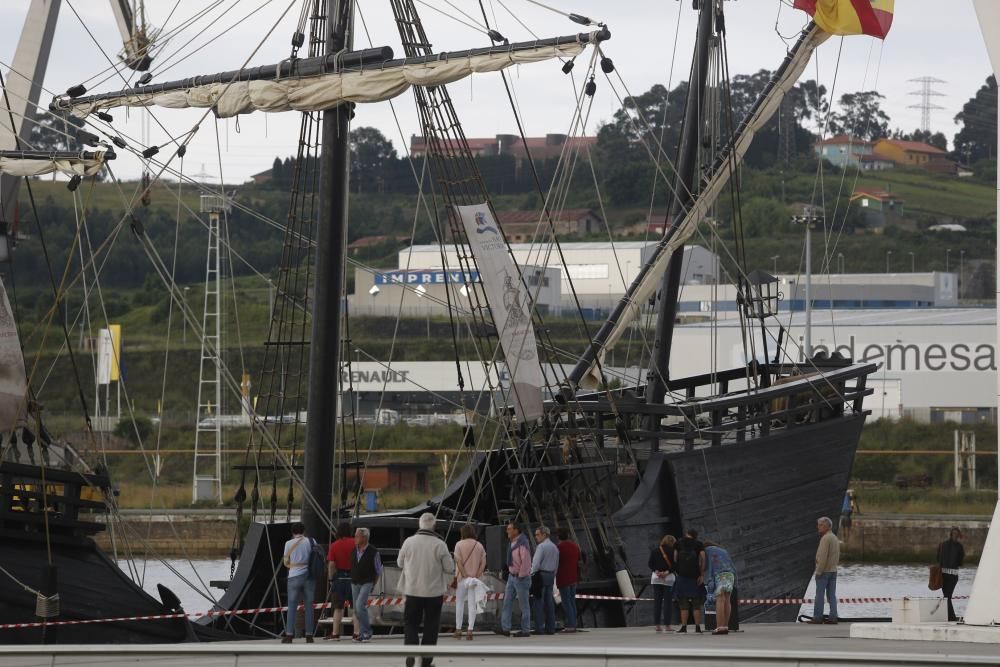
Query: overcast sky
x,y
929,38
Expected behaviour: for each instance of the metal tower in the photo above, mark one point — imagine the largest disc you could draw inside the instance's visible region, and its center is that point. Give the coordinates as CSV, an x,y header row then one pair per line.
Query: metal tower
x,y
926,106
207,478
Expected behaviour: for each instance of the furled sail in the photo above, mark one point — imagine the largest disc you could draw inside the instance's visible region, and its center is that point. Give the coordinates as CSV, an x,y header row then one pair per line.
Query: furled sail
x,y
315,84
38,163
13,381
510,306
645,284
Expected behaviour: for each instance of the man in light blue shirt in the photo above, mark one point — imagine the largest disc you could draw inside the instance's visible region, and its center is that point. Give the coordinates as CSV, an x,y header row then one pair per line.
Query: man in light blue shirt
x,y
545,563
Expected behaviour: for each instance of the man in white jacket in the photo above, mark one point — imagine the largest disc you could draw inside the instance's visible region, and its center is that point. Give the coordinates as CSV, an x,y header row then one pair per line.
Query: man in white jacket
x,y
427,568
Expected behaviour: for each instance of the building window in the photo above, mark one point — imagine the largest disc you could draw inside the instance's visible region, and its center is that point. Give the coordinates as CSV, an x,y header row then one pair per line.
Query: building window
x,y
586,271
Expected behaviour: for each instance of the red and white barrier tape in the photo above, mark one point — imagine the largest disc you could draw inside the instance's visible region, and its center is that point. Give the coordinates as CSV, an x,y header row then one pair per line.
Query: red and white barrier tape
x,y
396,601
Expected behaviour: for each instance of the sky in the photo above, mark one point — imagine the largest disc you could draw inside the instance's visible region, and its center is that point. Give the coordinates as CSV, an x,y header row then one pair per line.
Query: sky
x,y
651,43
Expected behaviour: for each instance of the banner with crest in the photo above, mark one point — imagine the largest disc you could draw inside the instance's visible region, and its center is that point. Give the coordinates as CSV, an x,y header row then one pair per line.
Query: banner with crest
x,y
510,304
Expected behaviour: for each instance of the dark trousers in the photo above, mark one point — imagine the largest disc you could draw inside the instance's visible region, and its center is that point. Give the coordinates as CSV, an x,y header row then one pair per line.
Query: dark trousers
x,y
663,604
949,581
425,612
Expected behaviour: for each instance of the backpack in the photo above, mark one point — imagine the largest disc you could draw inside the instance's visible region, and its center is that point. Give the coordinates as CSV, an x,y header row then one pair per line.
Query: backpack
x,y
317,560
687,563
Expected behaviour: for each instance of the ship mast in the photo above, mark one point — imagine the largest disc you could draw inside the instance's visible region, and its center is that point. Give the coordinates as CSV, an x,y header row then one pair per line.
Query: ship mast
x,y
324,350
684,188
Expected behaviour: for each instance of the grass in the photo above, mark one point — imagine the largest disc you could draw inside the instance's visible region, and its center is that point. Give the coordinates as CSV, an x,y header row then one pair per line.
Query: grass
x,y
890,500
938,195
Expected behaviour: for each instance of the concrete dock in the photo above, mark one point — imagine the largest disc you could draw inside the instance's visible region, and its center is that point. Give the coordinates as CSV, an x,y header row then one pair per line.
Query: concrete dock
x,y
758,644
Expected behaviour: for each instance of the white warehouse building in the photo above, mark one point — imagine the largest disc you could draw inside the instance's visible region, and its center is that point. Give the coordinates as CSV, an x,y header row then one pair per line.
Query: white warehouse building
x,y
937,364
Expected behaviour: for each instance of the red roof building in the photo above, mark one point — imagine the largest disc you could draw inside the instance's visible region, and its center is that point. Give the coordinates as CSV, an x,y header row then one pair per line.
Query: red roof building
x,y
915,154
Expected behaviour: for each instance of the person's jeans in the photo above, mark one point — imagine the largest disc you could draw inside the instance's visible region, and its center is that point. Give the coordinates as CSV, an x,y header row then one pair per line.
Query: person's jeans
x,y
568,595
663,604
300,589
362,626
948,583
826,586
419,611
466,596
519,587
545,605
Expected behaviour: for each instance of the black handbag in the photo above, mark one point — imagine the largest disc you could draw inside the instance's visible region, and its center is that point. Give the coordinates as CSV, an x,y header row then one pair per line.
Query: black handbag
x,y
536,585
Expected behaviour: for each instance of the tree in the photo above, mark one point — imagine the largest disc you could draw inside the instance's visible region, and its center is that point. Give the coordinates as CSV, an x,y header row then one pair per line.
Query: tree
x,y
370,153
977,140
810,105
276,170
861,116
54,133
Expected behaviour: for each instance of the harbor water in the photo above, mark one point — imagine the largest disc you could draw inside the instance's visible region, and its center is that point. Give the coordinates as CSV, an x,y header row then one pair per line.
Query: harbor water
x,y
190,581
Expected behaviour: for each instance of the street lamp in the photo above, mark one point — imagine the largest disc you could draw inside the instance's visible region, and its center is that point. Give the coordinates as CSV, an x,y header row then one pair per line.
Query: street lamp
x,y
912,264
809,221
888,256
840,262
947,254
774,261
961,271
184,335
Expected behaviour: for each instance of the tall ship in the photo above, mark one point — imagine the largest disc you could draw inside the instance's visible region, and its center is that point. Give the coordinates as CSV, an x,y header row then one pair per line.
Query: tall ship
x,y
749,455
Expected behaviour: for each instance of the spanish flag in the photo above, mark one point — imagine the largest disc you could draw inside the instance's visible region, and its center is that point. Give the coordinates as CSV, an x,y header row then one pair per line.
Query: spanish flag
x,y
850,17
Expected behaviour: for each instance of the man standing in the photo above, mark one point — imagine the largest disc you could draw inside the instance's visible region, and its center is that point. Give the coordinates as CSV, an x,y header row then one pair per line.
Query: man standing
x,y
827,559
545,563
427,567
518,581
568,576
950,556
689,591
339,559
301,587
366,568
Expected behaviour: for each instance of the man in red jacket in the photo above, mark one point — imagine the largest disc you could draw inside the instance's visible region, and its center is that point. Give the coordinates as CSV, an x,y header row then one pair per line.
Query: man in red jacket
x,y
568,576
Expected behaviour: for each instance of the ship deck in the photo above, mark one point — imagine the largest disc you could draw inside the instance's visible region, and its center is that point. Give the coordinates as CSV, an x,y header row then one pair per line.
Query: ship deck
x,y
757,644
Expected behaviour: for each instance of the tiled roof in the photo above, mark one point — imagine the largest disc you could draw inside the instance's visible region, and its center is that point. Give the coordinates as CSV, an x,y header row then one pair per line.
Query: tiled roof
x,y
881,195
915,146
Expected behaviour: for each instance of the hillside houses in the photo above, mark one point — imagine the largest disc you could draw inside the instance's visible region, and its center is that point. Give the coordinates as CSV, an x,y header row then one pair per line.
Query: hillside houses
x,y
846,151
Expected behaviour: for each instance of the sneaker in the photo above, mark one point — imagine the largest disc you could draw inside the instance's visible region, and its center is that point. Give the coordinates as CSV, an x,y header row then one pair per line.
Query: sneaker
x,y
505,633
568,630
286,639
309,639
521,634
365,639
830,621
332,638
356,638
659,628
697,629
682,629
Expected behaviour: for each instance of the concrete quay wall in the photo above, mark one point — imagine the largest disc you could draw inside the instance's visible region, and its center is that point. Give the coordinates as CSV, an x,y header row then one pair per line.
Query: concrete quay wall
x,y
910,538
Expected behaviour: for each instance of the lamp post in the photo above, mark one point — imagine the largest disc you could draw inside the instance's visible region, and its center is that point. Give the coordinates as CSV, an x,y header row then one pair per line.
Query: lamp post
x,y
809,221
774,262
947,256
961,271
184,335
888,256
912,263
840,262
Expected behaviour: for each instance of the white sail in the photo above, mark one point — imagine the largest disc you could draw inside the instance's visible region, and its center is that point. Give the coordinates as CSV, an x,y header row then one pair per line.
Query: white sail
x,y
709,193
984,603
39,166
324,91
510,305
13,381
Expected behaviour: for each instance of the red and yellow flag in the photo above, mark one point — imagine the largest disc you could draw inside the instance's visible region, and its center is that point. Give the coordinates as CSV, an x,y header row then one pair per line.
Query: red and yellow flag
x,y
850,17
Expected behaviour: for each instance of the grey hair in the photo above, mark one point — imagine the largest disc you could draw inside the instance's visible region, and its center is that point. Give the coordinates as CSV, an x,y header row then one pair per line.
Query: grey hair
x,y
544,530
364,531
427,521
826,520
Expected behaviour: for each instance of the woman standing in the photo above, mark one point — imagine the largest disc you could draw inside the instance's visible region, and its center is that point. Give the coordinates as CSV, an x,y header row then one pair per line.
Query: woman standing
x,y
720,580
470,563
950,556
662,565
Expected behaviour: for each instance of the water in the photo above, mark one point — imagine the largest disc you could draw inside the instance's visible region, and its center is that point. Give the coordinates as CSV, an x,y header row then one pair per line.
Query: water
x,y
880,581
